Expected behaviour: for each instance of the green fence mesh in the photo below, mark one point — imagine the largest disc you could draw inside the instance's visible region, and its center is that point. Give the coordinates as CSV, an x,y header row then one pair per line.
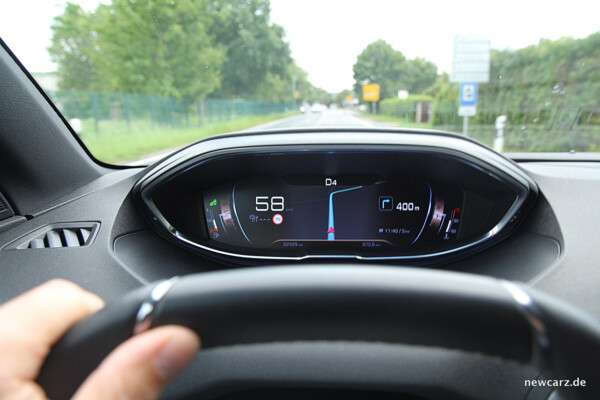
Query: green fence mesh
x,y
132,112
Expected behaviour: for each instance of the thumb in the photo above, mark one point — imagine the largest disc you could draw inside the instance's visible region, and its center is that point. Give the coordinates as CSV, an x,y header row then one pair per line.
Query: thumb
x,y
142,366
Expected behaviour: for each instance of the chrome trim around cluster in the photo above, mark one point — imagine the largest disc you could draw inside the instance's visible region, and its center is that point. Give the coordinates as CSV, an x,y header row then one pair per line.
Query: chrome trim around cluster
x,y
145,315
437,142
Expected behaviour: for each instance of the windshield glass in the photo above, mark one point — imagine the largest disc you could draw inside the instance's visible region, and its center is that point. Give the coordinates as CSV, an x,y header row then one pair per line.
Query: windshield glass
x,y
140,78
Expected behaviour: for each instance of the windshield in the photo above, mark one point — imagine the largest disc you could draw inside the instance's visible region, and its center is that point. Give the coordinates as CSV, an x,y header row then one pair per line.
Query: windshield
x,y
140,78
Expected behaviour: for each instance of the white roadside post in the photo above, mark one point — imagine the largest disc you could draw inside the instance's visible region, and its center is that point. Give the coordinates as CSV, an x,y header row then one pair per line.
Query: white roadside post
x,y
77,125
499,140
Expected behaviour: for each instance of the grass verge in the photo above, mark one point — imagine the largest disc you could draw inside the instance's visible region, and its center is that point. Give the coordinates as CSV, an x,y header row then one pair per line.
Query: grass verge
x,y
115,145
396,121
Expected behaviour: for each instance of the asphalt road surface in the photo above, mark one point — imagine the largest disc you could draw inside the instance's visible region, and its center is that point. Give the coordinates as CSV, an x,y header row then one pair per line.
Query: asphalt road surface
x,y
327,118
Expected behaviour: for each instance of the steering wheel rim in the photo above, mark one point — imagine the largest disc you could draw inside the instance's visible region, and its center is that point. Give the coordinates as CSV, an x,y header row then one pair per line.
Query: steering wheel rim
x,y
343,303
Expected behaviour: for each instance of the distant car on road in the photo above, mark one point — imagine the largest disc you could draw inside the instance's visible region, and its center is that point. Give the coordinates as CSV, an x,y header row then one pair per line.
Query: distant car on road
x,y
318,107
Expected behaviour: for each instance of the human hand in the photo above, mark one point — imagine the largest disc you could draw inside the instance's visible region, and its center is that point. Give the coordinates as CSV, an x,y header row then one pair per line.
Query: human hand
x,y
137,369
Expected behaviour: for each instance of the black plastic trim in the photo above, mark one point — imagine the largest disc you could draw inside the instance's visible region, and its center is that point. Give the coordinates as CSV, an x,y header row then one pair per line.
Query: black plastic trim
x,y
59,113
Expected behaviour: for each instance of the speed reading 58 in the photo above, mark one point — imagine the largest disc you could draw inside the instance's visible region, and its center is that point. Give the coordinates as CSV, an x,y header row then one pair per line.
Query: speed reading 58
x,y
407,206
266,203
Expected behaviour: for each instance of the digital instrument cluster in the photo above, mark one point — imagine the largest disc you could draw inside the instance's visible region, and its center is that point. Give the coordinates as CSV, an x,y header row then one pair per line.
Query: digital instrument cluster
x,y
419,198
322,213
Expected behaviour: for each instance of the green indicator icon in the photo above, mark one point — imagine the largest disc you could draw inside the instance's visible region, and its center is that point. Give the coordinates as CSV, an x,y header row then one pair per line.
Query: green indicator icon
x,y
214,202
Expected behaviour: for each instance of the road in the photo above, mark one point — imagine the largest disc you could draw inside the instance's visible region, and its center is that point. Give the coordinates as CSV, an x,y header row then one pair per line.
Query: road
x,y
327,118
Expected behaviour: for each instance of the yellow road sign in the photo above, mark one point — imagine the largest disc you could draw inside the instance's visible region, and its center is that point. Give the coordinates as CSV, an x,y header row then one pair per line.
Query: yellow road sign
x,y
371,92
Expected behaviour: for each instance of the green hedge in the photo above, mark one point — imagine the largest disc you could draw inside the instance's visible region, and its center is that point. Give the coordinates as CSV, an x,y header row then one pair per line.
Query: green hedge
x,y
404,108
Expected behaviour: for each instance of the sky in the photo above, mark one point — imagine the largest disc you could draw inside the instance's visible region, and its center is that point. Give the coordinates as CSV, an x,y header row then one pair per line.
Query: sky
x,y
326,36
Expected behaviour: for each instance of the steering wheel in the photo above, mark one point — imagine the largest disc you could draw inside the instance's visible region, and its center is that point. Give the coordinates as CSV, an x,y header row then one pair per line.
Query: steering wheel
x,y
344,303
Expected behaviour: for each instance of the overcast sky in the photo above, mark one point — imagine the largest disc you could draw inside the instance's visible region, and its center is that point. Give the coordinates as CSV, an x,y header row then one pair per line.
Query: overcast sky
x,y
326,36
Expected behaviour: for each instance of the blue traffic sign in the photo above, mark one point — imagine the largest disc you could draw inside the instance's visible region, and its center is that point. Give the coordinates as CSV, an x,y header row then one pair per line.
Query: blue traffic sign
x,y
468,94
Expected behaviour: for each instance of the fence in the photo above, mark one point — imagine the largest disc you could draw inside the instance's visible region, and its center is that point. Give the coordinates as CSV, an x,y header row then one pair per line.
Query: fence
x,y
547,129
131,112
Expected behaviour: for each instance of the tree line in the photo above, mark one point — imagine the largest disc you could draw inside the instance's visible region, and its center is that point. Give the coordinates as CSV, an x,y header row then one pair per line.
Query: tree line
x,y
529,84
563,73
184,49
380,63
549,92
196,49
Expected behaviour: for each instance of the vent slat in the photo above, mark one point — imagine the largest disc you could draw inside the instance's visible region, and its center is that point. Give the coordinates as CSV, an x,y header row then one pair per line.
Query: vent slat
x,y
37,244
53,239
85,235
71,239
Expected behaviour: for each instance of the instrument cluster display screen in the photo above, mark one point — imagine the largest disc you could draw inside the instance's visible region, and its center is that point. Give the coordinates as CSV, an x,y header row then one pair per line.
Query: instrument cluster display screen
x,y
418,203
318,214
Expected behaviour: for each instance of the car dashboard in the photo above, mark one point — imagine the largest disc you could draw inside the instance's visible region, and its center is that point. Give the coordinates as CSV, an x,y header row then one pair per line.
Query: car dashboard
x,y
403,198
331,197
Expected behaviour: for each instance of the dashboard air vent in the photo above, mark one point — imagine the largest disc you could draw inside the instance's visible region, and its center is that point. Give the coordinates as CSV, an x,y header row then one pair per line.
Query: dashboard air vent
x,y
61,238
58,236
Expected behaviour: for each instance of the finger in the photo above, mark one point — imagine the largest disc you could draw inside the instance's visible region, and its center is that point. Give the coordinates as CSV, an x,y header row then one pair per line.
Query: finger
x,y
142,366
34,321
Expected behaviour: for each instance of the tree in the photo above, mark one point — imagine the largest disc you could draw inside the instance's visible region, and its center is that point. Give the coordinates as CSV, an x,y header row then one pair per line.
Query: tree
x,y
72,45
254,48
159,47
137,46
186,49
421,75
380,63
446,99
554,74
